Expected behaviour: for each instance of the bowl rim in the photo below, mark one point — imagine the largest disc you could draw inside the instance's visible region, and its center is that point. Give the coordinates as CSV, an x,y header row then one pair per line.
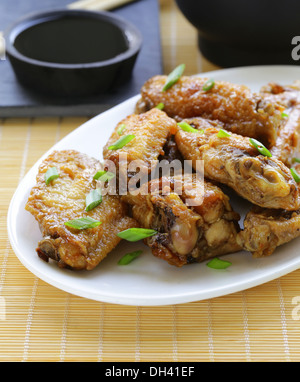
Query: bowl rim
x,y
132,34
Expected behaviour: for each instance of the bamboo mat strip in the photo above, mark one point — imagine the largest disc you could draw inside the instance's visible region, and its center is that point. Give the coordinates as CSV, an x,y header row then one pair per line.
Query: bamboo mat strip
x,y
246,327
42,323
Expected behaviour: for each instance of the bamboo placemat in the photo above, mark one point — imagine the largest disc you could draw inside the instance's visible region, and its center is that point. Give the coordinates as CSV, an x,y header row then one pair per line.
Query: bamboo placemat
x,y
41,323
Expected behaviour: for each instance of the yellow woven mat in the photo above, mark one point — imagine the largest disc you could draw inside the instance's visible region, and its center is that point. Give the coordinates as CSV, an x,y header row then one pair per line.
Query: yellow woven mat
x,y
41,323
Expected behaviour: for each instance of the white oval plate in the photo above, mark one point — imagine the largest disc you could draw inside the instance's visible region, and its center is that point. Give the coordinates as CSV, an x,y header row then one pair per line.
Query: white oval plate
x,y
148,280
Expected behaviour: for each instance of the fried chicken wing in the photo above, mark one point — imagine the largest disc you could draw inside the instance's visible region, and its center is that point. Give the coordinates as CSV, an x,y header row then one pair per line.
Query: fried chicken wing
x,y
63,200
287,96
288,141
233,161
266,229
235,106
186,234
287,144
170,151
151,131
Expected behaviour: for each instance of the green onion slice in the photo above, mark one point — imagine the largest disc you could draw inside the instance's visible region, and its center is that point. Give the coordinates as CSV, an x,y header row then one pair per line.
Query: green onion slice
x,y
136,234
93,199
297,160
173,77
51,174
83,223
160,106
260,147
126,259
223,134
121,129
186,127
209,84
284,115
121,142
295,174
217,263
104,176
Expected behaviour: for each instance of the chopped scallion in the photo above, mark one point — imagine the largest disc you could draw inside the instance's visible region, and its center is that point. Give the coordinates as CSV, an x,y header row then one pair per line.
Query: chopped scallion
x,y
217,263
209,84
173,77
93,199
129,257
121,129
51,174
223,134
160,106
295,174
135,234
83,223
284,115
186,127
104,176
260,147
296,160
121,142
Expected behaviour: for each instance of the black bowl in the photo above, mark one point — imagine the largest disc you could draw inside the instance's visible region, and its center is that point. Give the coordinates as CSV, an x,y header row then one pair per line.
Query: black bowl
x,y
72,52
238,33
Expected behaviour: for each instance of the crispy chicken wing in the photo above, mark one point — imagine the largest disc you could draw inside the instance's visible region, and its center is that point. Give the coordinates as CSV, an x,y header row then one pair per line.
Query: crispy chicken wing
x,y
287,144
287,96
151,131
186,234
233,161
63,200
235,106
266,229
288,141
170,151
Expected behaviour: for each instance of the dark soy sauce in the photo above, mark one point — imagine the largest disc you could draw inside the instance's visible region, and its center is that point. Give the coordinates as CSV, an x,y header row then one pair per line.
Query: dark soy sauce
x,y
71,40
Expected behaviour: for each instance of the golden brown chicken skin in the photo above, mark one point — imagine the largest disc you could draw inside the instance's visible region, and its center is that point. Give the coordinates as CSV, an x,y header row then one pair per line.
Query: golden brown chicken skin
x,y
151,131
287,144
266,229
185,233
287,96
233,161
235,106
63,200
